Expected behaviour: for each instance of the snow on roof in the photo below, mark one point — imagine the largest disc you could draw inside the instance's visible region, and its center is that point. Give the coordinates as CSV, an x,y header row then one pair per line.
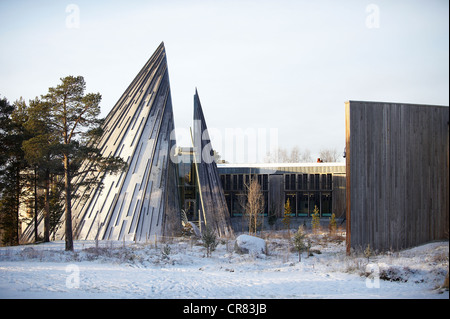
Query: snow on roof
x,y
276,165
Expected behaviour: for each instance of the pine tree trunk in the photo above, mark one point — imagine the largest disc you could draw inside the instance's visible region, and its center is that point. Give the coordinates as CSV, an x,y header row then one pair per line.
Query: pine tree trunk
x,y
17,205
67,190
36,211
47,207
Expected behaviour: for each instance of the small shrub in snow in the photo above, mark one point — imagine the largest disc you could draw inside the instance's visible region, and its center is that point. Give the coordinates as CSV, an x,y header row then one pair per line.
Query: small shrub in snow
x,y
332,227
299,242
392,273
355,265
368,252
209,241
287,216
315,221
166,251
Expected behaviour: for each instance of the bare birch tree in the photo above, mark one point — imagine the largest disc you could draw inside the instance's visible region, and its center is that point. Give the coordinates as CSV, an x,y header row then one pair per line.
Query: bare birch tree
x,y
254,209
329,155
281,155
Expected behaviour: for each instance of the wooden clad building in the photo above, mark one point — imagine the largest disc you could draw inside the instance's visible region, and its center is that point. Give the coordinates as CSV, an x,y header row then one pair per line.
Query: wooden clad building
x,y
142,201
397,174
212,201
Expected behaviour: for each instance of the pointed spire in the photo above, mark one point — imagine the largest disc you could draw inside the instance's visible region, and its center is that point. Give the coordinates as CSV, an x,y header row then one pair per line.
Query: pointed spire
x,y
135,204
142,201
214,204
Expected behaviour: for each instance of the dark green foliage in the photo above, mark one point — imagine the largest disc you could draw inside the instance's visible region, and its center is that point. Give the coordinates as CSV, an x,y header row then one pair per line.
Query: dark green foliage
x,y
12,162
299,241
315,220
73,117
46,145
209,240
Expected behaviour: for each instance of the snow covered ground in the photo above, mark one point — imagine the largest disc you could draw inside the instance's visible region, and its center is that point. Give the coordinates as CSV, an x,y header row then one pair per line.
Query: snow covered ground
x,y
179,268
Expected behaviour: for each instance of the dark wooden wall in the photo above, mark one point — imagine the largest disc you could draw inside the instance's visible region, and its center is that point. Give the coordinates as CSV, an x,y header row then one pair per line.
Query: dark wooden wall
x,y
397,174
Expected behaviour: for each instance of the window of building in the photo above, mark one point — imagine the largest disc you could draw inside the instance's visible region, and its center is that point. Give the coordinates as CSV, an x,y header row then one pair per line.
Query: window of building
x,y
228,200
300,182
292,202
304,191
314,200
292,182
260,181
238,204
228,182
289,182
266,203
222,181
247,180
316,182
241,182
326,202
312,184
265,185
302,204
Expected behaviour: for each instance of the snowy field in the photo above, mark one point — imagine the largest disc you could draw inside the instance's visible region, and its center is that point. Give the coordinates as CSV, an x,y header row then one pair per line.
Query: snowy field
x,y
179,268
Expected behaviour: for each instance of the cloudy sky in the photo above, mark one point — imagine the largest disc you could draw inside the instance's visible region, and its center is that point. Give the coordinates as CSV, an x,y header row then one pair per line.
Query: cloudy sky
x,y
257,65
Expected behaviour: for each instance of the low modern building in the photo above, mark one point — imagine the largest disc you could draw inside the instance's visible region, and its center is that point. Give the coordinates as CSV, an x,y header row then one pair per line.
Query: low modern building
x,y
305,185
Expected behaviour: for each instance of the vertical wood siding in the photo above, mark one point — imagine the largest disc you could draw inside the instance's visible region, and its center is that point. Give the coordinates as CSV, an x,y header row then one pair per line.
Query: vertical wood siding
x,y
397,174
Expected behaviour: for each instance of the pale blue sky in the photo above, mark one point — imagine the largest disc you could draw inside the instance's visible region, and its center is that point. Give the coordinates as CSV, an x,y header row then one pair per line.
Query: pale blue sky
x,y
290,65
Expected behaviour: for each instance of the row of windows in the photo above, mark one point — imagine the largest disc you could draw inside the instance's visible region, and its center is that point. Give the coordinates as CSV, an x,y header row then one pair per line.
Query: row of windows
x,y
236,203
307,181
304,191
231,182
237,182
303,203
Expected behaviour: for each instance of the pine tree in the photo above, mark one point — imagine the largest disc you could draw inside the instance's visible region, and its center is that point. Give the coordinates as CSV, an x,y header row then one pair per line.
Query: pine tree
x,y
333,224
209,240
74,117
299,242
40,152
315,221
12,163
287,216
368,252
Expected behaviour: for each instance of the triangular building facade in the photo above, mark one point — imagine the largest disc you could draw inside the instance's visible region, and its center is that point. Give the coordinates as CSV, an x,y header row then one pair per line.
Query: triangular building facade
x,y
213,205
142,201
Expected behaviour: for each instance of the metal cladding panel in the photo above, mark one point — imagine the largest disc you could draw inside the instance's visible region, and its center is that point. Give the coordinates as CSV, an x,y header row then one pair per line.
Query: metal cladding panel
x,y
212,195
139,202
